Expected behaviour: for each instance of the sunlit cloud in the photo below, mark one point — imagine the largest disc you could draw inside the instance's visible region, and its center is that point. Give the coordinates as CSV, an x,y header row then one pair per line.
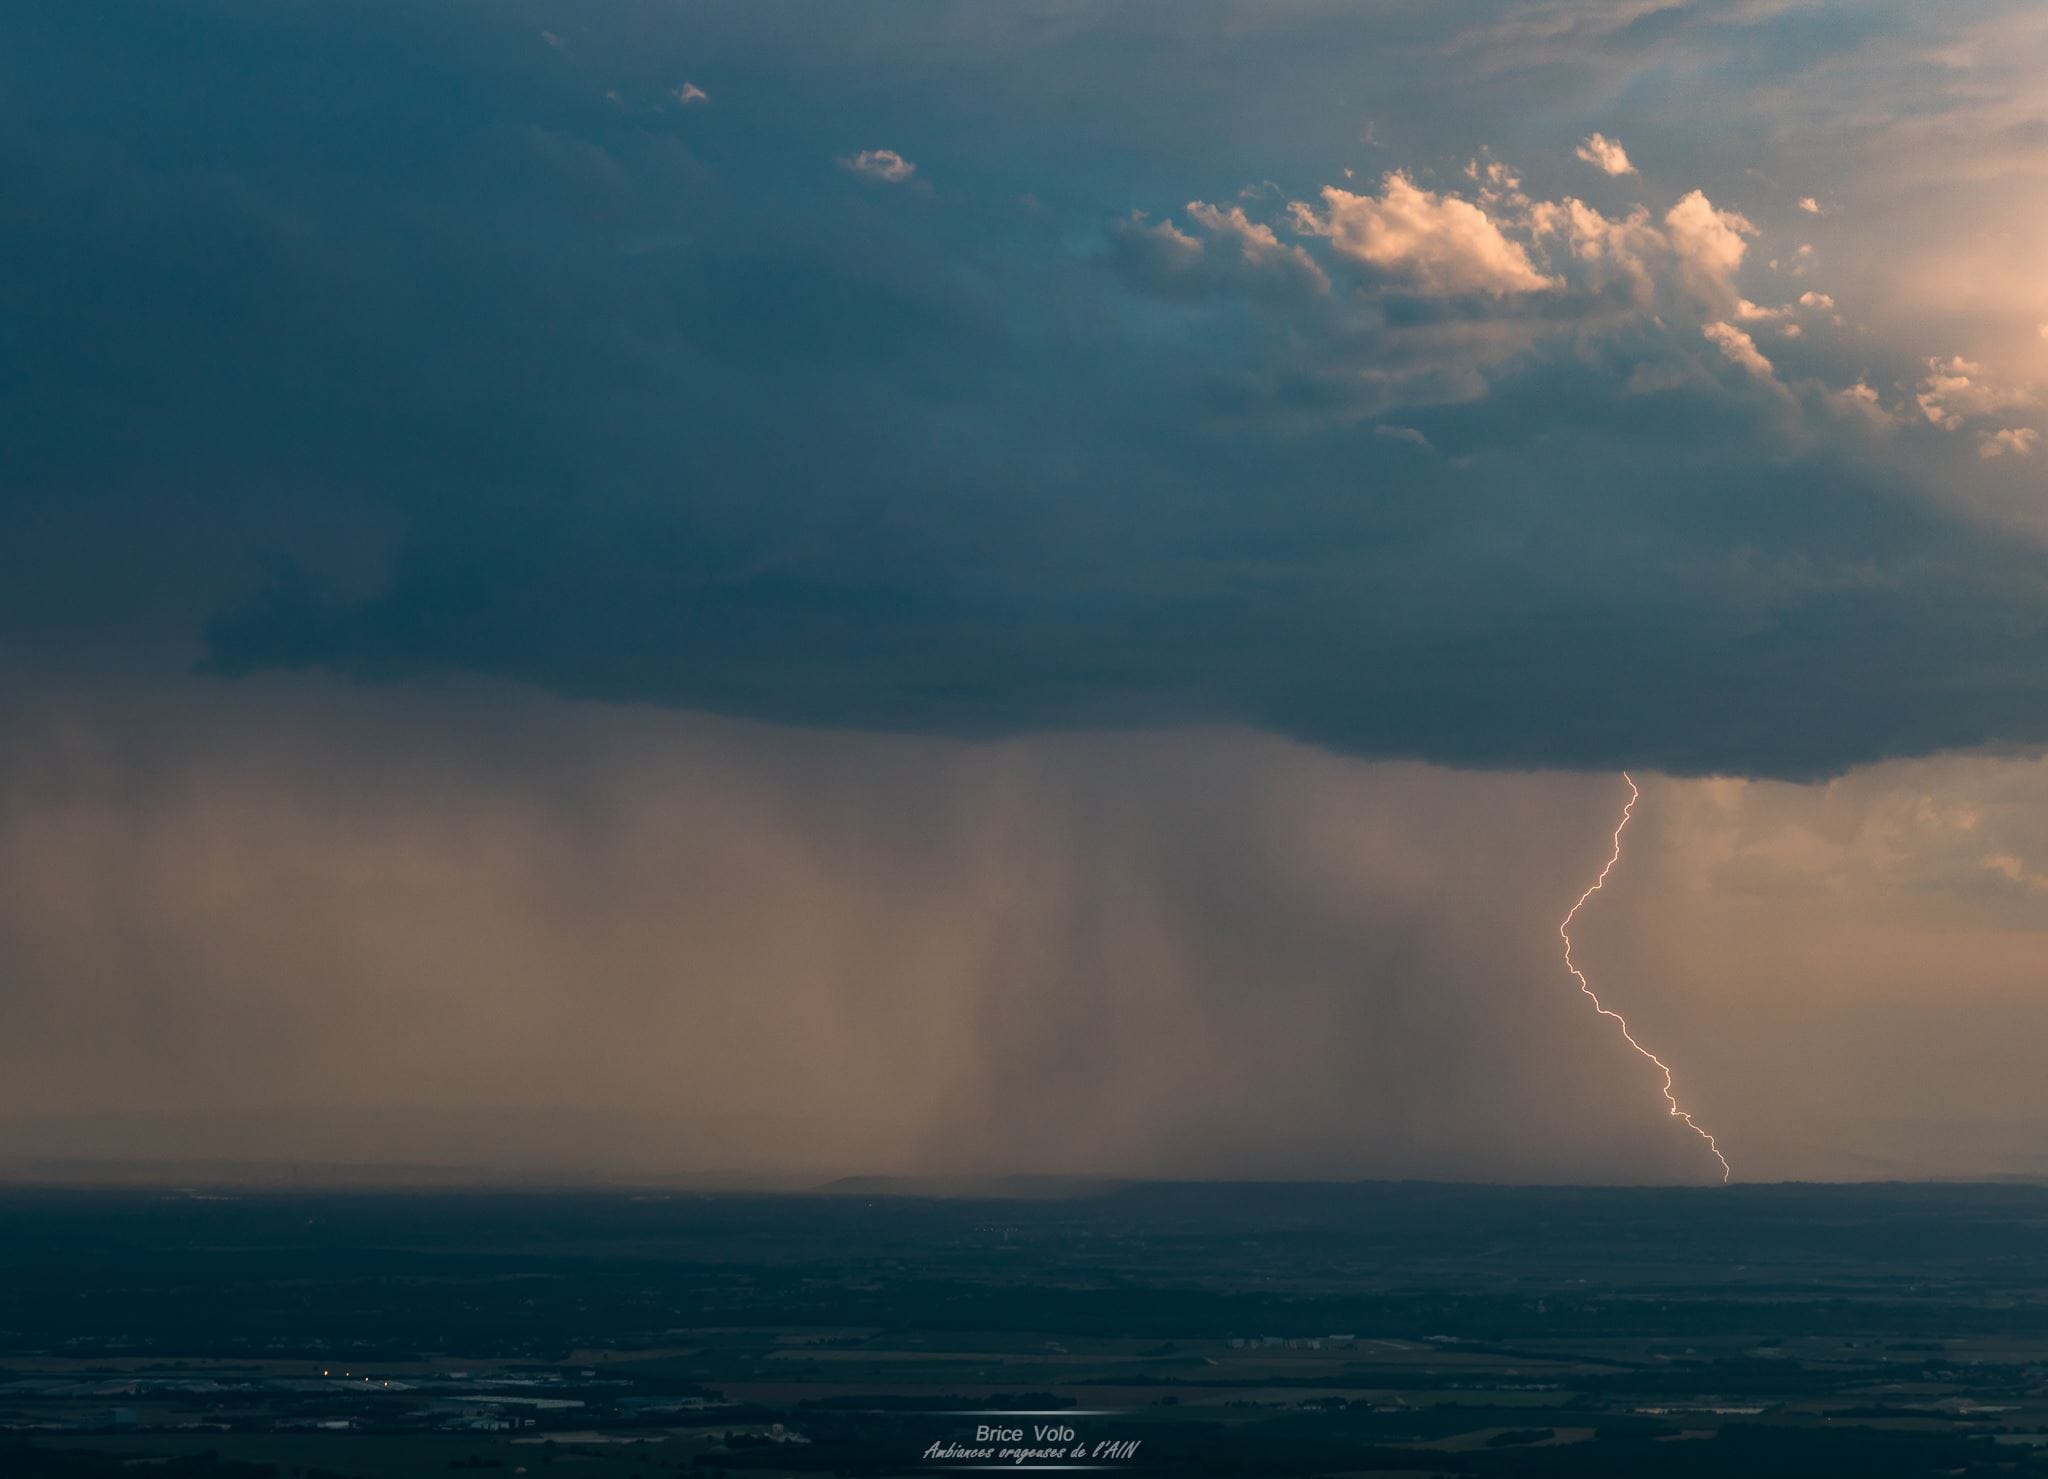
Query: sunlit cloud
x,y
885,165
1739,349
2019,441
1955,390
1439,244
1605,155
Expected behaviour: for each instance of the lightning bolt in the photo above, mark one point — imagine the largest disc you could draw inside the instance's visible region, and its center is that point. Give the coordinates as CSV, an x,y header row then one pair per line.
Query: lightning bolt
x,y
1564,933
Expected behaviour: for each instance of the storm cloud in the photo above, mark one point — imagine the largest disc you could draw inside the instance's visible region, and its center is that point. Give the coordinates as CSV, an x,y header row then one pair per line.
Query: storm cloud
x,y
774,589
440,339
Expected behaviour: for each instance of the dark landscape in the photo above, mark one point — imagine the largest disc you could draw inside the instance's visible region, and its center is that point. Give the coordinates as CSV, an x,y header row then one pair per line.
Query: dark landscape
x,y
1248,1329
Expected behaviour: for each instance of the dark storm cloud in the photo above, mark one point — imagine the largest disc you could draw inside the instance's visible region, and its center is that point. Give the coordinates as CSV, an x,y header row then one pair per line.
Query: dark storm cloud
x,y
434,338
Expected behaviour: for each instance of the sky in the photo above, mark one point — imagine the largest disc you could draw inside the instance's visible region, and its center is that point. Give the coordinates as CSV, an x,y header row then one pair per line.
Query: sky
x,y
951,588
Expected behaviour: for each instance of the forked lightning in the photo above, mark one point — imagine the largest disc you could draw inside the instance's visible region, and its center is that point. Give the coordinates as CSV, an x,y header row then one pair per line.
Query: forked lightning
x,y
1564,933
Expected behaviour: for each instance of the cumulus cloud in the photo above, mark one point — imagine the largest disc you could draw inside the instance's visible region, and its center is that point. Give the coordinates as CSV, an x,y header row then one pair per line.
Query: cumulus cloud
x,y
1861,405
1808,204
2019,441
1687,264
1233,253
1955,390
1258,249
1609,250
1157,256
885,165
1605,154
1438,244
2015,870
1739,349
1710,244
691,95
